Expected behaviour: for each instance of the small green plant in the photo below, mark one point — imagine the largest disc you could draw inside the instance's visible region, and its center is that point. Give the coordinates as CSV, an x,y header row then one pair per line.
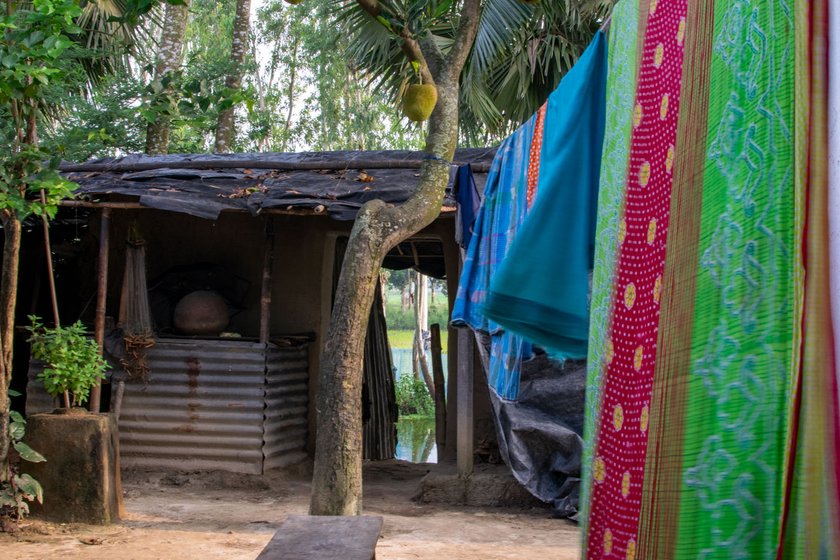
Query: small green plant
x,y
17,490
413,397
72,361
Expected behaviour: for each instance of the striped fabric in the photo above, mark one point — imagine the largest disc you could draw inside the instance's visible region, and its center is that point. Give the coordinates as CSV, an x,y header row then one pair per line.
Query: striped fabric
x,y
714,392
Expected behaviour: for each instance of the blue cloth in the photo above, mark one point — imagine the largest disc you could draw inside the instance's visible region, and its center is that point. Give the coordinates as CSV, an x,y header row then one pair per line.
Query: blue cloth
x,y
502,210
541,289
469,201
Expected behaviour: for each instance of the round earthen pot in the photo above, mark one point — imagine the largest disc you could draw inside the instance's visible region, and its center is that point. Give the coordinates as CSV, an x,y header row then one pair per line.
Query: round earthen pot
x,y
201,313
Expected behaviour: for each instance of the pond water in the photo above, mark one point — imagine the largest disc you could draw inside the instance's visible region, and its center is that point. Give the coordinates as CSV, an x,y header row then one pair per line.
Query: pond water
x,y
416,439
401,358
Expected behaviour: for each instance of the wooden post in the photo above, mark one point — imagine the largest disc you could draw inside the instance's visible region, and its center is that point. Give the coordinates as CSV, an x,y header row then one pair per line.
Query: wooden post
x,y
440,390
265,295
101,293
50,273
465,402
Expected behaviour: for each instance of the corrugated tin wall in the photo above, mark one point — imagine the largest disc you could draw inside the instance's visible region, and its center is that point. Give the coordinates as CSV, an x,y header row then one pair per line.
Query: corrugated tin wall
x,y
37,399
210,404
286,400
202,407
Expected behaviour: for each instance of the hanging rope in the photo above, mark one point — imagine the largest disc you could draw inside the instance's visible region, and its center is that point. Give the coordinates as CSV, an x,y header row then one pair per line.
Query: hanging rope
x,y
135,317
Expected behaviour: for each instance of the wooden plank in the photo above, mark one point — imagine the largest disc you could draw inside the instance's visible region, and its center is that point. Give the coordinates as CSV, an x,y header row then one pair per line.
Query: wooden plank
x,y
465,402
304,537
265,292
440,390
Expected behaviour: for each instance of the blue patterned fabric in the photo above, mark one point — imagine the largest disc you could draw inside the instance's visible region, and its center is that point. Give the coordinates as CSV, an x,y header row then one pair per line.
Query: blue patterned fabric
x,y
502,211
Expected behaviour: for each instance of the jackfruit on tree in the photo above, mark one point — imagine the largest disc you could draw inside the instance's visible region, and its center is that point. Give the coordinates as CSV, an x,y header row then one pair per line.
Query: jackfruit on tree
x,y
419,101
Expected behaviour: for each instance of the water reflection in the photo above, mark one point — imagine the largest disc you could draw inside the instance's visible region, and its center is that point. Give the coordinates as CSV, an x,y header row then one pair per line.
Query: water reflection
x,y
416,439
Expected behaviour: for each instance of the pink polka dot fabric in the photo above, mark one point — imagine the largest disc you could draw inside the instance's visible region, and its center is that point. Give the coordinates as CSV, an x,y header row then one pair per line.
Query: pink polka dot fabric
x,y
621,446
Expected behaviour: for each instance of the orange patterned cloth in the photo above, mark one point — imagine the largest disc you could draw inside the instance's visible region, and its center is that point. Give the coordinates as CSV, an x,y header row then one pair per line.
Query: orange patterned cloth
x,y
536,149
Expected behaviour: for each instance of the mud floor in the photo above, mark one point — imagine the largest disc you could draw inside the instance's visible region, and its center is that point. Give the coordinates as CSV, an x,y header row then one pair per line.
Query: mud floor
x,y
212,515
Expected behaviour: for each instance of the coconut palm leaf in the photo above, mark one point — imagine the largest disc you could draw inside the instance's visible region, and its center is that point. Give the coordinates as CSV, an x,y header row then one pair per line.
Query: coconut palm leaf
x,y
109,40
519,55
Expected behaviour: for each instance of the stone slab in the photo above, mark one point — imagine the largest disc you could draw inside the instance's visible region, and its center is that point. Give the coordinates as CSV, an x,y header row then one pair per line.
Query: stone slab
x,y
304,537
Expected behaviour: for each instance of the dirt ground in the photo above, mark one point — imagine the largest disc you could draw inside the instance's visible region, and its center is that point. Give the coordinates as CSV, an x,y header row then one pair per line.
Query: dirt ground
x,y
221,515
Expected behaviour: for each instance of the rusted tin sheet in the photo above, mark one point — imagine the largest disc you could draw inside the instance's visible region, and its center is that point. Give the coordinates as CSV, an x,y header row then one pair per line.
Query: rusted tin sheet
x,y
286,402
202,407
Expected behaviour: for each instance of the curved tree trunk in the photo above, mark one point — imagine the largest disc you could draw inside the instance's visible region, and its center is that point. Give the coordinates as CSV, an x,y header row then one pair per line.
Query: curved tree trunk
x,y
239,46
169,58
337,477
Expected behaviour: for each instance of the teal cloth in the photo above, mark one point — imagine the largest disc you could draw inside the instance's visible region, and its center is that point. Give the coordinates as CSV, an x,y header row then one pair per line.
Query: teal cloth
x,y
541,289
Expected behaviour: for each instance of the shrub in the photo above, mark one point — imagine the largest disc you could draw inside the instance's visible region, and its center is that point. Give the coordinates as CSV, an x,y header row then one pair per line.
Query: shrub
x,y
17,489
413,397
73,362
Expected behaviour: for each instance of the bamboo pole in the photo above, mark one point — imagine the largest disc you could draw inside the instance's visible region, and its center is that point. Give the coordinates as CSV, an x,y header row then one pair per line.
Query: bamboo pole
x,y
101,293
51,278
50,273
221,163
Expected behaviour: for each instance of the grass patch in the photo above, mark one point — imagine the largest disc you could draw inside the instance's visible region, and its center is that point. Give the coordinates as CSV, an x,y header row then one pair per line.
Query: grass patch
x,y
399,318
402,338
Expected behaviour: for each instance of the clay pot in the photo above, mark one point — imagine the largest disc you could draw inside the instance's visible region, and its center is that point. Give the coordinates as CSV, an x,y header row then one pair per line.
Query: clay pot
x,y
201,313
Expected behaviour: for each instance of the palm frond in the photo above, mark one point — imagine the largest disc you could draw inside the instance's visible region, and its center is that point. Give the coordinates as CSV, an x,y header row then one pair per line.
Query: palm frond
x,y
109,40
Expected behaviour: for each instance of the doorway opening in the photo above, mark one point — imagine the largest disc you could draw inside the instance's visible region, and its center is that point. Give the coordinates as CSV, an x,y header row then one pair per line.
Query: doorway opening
x,y
417,315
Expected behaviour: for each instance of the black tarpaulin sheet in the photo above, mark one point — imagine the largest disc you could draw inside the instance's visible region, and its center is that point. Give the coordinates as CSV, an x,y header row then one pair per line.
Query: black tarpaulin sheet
x,y
540,435
336,184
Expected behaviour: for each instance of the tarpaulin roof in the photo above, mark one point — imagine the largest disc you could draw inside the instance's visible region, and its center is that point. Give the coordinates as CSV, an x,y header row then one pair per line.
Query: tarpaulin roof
x,y
332,183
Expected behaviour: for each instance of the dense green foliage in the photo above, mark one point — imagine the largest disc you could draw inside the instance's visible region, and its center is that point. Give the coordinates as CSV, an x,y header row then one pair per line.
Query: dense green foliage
x,y
322,75
413,397
72,359
36,57
520,53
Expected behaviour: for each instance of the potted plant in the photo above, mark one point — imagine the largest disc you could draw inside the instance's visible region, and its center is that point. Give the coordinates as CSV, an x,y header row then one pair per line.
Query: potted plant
x,y
72,362
82,478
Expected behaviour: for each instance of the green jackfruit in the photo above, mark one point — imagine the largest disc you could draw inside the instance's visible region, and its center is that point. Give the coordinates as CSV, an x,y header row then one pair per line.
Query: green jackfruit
x,y
419,101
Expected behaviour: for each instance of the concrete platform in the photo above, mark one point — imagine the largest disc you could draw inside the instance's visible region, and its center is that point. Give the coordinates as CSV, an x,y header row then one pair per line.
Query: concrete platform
x,y
81,477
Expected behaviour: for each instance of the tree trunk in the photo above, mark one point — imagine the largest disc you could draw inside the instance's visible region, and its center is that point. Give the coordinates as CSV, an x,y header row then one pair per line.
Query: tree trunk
x,y
169,58
8,299
421,327
292,75
239,46
337,477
